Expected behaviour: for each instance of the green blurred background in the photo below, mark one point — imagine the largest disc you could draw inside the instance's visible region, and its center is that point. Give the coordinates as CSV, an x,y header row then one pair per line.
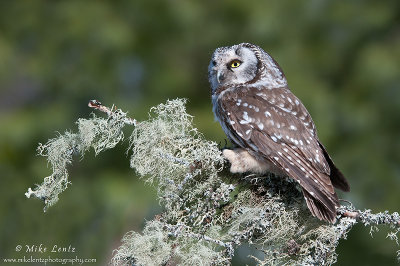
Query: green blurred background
x,y
342,58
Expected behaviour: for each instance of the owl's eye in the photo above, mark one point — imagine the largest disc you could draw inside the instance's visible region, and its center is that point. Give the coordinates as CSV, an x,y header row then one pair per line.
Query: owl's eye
x,y
235,64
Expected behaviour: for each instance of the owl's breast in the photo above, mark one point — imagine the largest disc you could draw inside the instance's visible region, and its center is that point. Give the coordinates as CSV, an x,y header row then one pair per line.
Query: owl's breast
x,y
223,113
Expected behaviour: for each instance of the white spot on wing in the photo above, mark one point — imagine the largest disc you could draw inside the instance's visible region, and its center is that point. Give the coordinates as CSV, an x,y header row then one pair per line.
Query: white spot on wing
x,y
260,126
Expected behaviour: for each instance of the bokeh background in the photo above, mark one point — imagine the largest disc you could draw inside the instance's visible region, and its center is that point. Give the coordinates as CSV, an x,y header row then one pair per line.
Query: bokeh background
x,y
342,58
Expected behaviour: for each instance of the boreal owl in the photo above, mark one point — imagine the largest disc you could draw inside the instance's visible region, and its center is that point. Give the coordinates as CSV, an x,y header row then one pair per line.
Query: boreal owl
x,y
270,126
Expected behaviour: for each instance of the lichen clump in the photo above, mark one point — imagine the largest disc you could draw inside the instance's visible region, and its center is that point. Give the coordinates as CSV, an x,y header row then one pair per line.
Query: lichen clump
x,y
207,212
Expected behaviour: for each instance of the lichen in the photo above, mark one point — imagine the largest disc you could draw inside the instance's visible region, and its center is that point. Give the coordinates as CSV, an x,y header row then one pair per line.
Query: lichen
x,y
207,211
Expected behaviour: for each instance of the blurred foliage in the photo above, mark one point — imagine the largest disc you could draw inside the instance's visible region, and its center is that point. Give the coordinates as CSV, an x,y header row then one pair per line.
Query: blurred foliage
x,y
342,58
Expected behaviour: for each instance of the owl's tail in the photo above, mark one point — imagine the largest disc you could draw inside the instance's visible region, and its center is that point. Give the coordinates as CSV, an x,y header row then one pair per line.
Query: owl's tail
x,y
337,178
327,211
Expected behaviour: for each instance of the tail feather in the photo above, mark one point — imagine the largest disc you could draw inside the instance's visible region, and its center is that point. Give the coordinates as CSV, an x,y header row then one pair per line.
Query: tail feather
x,y
337,178
319,210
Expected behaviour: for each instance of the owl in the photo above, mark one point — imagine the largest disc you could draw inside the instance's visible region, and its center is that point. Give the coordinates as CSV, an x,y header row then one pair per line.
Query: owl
x,y
270,127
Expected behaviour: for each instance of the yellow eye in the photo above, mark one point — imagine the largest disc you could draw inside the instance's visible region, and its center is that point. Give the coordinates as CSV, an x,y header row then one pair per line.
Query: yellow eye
x,y
235,63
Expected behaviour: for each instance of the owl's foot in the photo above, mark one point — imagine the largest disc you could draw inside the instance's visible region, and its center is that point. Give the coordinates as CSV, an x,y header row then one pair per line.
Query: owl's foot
x,y
242,161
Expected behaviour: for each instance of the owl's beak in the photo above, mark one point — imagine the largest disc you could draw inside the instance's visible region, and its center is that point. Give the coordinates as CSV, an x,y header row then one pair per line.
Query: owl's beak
x,y
220,76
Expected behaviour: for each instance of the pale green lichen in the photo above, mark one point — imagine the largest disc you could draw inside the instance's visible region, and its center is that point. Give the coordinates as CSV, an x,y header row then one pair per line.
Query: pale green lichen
x,y
97,133
207,212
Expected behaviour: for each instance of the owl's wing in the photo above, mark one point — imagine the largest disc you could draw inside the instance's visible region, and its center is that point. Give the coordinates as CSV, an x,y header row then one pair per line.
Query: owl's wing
x,y
276,125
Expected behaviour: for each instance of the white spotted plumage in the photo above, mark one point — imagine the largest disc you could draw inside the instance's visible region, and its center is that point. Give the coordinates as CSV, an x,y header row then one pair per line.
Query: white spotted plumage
x,y
260,114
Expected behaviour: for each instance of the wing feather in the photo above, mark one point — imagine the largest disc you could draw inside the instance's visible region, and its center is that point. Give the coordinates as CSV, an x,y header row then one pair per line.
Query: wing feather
x,y
276,125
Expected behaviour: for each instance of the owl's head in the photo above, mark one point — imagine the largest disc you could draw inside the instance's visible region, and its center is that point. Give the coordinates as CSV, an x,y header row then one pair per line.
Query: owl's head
x,y
243,63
